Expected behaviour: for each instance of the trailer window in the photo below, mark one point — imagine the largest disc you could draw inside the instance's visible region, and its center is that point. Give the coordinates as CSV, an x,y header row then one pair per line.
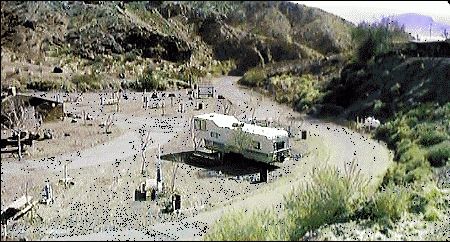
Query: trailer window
x,y
278,145
200,124
203,125
197,124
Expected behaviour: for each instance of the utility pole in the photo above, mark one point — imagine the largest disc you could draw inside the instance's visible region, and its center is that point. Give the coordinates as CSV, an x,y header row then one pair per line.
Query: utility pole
x,y
430,30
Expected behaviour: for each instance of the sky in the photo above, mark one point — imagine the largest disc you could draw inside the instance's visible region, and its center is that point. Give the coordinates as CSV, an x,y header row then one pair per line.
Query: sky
x,y
356,11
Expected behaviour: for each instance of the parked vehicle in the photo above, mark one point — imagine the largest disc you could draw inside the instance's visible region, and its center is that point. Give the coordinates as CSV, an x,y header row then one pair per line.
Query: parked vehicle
x,y
225,134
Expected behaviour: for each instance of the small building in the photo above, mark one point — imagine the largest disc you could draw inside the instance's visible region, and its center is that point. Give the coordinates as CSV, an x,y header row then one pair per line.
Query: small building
x,y
205,91
48,109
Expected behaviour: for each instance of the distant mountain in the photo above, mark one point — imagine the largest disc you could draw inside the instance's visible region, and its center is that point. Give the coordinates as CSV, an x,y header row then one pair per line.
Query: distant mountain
x,y
418,24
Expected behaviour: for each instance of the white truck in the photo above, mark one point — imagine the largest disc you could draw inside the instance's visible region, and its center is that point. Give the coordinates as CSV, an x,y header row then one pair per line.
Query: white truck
x,y
225,134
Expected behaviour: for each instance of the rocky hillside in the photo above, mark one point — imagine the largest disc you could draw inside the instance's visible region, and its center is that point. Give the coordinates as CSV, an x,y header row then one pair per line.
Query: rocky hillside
x,y
97,41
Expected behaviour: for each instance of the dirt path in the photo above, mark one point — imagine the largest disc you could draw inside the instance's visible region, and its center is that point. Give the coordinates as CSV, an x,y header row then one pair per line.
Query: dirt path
x,y
327,142
119,148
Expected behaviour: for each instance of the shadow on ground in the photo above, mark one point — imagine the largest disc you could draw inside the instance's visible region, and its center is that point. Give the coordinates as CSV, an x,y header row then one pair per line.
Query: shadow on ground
x,y
232,165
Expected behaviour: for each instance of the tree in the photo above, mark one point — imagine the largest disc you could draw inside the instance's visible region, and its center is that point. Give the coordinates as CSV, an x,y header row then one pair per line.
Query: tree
x,y
108,124
445,34
20,117
242,140
145,139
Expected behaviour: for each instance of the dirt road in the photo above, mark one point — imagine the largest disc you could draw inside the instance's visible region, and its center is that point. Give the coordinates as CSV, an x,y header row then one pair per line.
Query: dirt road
x,y
327,142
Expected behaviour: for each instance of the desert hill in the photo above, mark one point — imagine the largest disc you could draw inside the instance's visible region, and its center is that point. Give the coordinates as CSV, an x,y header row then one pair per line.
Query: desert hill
x,y
121,40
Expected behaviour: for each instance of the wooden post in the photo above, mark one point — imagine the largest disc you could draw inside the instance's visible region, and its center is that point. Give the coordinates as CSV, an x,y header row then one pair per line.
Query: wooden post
x,y
357,123
65,176
5,230
19,148
84,116
26,191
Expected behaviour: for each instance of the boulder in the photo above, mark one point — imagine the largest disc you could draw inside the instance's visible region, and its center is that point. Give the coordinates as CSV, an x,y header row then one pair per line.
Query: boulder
x,y
57,69
48,134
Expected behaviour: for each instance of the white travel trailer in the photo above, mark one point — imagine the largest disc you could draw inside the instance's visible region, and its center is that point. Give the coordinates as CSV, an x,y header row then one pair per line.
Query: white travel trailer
x,y
225,134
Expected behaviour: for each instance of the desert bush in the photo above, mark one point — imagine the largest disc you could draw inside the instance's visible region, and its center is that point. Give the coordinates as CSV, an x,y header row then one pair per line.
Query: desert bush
x,y
330,196
417,173
420,137
150,81
222,67
413,154
392,202
87,82
253,77
395,173
442,176
308,90
418,203
438,155
255,226
433,197
432,138
42,85
375,39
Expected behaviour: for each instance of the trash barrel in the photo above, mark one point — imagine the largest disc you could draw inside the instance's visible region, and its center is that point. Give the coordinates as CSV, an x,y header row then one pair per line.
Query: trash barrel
x,y
303,134
263,175
177,201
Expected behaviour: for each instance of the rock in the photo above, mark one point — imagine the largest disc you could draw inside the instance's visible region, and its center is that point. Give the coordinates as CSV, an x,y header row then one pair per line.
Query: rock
x,y
48,134
34,136
57,69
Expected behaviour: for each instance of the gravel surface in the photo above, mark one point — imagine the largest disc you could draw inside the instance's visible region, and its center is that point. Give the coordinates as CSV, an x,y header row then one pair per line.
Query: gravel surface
x,y
101,203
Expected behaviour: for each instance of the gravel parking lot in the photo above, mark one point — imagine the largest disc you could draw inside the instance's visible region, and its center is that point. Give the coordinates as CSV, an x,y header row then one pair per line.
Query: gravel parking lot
x,y
101,202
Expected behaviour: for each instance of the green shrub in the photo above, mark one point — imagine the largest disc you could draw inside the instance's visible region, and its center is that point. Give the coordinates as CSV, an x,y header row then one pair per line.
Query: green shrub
x,y
379,107
149,81
189,73
42,85
418,204
432,193
330,196
375,39
432,214
413,154
394,174
402,147
253,77
87,82
255,226
417,173
430,133
438,155
392,202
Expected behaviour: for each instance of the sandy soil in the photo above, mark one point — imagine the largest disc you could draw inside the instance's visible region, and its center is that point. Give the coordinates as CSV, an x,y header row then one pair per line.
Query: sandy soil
x,y
101,203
